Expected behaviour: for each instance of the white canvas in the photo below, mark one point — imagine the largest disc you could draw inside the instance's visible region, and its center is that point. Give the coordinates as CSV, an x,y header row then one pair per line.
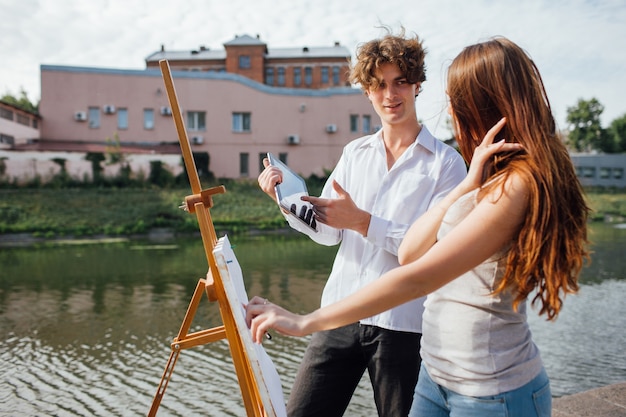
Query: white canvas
x,y
267,378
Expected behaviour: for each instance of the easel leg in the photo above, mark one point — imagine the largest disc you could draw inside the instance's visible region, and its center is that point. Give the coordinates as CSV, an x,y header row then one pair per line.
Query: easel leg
x,y
176,347
165,379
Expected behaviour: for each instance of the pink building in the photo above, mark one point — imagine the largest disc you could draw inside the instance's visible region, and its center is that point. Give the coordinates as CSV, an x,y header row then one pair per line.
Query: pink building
x,y
232,117
17,126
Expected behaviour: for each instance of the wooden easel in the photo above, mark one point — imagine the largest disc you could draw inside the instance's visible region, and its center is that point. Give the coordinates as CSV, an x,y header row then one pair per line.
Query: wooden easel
x,y
200,203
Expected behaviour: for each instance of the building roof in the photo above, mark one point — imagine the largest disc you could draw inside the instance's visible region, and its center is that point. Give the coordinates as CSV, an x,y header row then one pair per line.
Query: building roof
x,y
206,75
244,40
15,107
336,51
201,54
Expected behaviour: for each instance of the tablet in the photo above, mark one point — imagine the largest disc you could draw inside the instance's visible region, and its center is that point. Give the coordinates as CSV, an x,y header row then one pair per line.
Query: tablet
x,y
289,191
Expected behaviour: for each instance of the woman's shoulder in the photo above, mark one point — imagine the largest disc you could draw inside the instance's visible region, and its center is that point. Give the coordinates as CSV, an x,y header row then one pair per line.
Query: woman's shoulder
x,y
511,183
510,192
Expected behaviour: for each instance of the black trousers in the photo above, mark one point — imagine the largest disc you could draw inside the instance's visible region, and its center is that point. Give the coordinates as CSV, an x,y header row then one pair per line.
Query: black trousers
x,y
335,361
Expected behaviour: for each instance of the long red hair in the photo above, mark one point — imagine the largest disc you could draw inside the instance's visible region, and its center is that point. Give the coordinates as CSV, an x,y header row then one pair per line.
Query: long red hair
x,y
496,79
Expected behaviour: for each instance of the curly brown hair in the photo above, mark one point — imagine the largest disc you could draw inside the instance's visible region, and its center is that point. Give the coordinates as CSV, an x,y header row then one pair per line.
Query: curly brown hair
x,y
406,52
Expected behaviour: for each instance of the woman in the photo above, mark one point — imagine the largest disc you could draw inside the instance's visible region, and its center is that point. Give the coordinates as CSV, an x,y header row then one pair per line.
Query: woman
x,y
514,228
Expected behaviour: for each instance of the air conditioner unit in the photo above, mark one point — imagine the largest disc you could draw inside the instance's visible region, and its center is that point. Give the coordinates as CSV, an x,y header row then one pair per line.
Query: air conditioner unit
x,y
197,140
331,128
108,109
293,139
166,111
80,116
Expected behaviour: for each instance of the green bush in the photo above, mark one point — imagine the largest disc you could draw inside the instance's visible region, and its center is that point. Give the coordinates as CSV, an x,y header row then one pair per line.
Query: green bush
x,y
110,210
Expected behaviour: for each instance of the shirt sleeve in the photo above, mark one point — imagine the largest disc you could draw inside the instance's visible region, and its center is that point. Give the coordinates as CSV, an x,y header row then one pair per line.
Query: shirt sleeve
x,y
453,172
325,235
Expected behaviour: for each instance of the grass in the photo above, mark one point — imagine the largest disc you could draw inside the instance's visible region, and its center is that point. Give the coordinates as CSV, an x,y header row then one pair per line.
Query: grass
x,y
128,211
607,204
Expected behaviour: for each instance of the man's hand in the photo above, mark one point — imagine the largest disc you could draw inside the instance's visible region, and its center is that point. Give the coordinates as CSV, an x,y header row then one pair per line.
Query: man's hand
x,y
268,179
340,212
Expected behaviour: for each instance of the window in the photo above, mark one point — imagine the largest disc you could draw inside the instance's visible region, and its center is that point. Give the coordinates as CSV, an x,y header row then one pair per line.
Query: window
x,y
269,76
367,123
241,122
243,164
297,76
281,76
23,119
308,75
336,75
94,117
605,172
324,75
244,61
618,173
6,113
7,139
589,172
148,119
196,120
354,123
282,157
122,118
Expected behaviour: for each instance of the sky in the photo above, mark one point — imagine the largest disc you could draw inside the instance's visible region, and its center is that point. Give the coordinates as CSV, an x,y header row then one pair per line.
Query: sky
x,y
578,45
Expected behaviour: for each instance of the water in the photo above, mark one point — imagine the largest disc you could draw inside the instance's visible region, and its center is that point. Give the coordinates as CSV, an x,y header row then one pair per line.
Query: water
x,y
86,328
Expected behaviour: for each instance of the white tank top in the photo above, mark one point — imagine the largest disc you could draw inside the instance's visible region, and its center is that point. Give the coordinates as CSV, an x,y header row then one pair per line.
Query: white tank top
x,y
473,342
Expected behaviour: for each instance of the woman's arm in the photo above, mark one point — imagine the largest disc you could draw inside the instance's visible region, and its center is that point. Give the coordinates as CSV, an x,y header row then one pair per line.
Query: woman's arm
x,y
422,234
487,228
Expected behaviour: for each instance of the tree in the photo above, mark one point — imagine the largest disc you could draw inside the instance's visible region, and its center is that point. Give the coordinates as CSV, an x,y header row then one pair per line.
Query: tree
x,y
22,102
114,154
96,159
585,131
617,131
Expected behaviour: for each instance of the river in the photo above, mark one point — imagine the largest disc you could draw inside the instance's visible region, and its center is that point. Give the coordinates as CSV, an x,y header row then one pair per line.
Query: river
x,y
86,327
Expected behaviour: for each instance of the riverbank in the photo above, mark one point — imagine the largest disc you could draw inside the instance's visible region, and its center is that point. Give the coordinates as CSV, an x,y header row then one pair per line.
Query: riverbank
x,y
36,215
609,401
124,212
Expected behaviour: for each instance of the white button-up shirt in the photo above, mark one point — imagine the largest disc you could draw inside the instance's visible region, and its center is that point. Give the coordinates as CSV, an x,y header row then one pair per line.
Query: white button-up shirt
x,y
395,198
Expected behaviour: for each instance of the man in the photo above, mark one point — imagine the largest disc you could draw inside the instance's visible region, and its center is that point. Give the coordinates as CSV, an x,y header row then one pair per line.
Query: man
x,y
381,184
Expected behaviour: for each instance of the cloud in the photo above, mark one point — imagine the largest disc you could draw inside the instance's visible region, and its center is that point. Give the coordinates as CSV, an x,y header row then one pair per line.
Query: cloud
x,y
577,44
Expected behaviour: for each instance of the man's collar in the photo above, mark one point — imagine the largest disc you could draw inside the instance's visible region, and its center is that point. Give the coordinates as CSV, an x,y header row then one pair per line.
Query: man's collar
x,y
424,138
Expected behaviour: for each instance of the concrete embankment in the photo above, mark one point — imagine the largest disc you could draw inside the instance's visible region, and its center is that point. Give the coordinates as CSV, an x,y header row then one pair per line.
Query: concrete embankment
x,y
609,401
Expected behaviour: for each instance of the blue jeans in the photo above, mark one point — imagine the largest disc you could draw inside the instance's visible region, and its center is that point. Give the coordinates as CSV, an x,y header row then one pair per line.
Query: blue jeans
x,y
335,361
531,400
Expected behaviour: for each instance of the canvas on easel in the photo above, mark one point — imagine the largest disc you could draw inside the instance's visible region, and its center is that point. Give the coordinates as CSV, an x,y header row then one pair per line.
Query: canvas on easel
x,y
258,380
266,376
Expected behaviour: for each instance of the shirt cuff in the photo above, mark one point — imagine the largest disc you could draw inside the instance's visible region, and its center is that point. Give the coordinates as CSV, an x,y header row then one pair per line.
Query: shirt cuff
x,y
377,231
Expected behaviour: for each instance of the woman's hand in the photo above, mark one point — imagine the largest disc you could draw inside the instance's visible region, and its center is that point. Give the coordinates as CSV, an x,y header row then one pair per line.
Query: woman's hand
x,y
263,316
484,152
